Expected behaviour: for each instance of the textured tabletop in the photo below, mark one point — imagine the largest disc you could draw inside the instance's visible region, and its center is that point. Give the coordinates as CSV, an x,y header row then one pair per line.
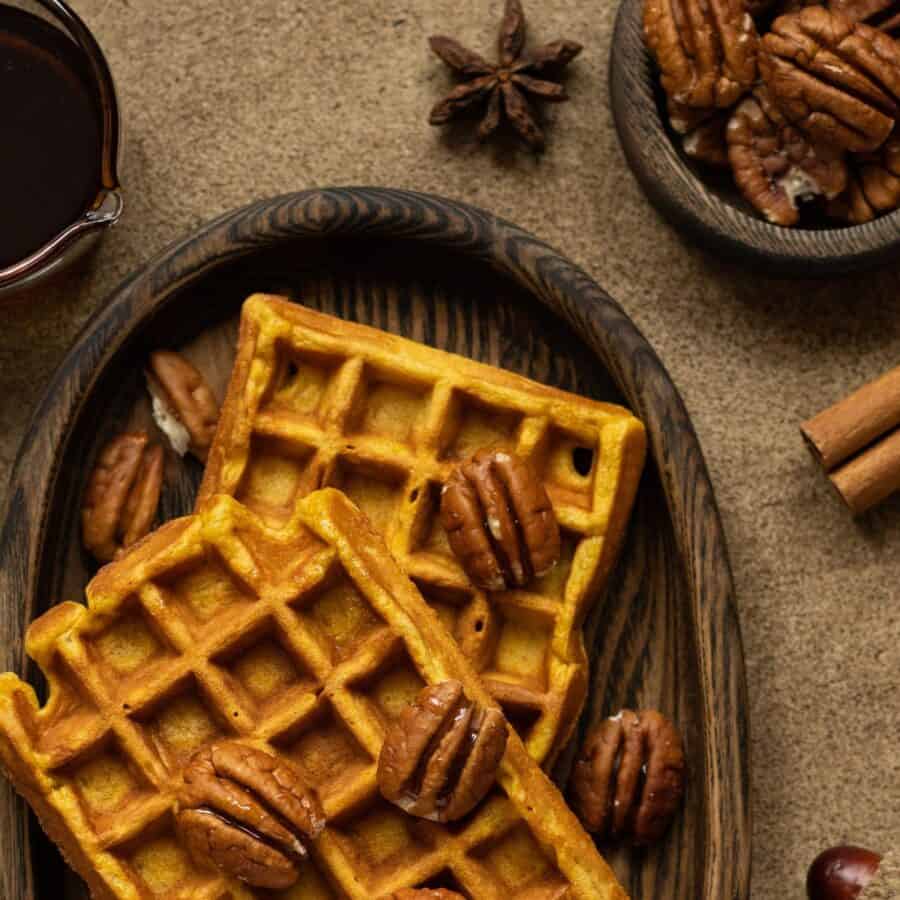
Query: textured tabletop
x,y
228,101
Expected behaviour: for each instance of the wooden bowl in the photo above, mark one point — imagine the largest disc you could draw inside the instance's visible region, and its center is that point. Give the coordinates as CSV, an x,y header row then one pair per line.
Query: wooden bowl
x,y
665,634
706,206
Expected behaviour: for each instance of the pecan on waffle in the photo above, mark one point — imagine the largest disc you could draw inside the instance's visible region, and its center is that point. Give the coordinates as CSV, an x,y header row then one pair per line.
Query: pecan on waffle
x,y
305,647
317,401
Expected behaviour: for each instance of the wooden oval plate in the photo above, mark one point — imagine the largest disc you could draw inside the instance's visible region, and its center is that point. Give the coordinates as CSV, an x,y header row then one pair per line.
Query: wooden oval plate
x,y
666,634
705,205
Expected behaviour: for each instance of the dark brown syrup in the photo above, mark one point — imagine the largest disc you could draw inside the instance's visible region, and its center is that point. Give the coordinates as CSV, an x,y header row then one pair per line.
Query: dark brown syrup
x,y
50,134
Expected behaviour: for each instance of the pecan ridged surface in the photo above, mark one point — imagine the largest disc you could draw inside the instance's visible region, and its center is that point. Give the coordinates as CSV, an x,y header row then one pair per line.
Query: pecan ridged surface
x,y
874,185
246,813
180,391
499,520
775,164
837,80
702,132
705,49
122,495
628,780
440,757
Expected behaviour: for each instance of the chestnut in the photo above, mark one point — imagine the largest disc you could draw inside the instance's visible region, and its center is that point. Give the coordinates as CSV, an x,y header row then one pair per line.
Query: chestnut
x,y
841,873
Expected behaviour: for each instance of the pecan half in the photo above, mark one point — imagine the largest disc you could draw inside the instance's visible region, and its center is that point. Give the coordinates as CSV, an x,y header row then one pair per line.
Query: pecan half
x,y
705,49
628,780
499,520
184,407
440,757
874,187
775,164
247,813
881,14
837,80
702,131
423,894
122,495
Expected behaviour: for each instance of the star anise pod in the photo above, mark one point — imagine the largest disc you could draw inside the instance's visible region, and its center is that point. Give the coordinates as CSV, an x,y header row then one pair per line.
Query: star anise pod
x,y
503,86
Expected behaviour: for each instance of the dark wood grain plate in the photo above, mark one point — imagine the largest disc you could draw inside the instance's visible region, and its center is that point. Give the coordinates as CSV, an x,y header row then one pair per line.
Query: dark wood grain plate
x,y
706,207
666,633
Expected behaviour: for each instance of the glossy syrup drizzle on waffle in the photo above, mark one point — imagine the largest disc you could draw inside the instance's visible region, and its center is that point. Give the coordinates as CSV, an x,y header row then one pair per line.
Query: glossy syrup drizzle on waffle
x,y
317,401
305,641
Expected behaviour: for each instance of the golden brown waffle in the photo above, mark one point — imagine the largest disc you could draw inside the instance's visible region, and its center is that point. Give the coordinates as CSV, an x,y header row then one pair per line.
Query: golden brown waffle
x,y
306,646
316,401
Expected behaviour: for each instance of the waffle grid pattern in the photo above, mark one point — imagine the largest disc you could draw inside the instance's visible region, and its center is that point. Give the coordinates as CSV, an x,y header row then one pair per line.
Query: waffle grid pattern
x,y
315,401
217,626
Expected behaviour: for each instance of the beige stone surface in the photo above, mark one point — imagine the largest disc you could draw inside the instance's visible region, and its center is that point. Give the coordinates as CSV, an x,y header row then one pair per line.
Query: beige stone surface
x,y
233,100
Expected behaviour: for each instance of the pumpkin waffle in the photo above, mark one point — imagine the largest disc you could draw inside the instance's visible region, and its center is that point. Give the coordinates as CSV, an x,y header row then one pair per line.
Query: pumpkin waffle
x,y
317,401
218,626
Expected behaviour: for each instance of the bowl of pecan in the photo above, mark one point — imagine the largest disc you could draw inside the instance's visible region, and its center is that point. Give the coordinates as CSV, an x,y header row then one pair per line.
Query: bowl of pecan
x,y
766,130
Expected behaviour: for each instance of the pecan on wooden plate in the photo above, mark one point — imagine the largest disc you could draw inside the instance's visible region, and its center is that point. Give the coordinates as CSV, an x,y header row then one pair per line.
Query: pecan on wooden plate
x,y
122,495
776,165
705,49
628,780
499,520
874,185
440,757
837,80
184,407
248,814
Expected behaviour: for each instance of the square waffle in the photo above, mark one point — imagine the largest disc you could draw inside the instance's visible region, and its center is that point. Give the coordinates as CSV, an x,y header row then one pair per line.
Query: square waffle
x,y
317,401
307,646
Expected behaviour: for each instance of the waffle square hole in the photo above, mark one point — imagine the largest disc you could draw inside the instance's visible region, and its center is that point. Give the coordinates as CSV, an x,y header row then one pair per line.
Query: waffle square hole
x,y
393,687
428,535
384,840
390,407
311,885
567,463
474,424
204,590
326,750
520,713
522,648
304,382
339,616
160,865
376,490
180,722
106,783
264,671
131,646
278,473
520,864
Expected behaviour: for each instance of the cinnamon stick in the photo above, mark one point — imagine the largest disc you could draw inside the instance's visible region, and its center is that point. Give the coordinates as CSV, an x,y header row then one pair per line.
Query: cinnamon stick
x,y
857,442
847,427
870,477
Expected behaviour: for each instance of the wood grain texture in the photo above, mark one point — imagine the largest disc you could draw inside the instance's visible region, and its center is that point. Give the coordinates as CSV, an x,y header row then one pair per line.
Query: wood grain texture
x,y
665,634
706,207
